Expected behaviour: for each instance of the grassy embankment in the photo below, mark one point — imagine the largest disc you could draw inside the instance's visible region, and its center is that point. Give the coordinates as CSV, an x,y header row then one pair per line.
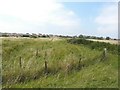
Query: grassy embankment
x,y
69,65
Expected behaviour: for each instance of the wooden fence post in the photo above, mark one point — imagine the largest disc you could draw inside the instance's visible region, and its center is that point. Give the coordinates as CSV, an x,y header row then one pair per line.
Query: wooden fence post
x,y
20,62
79,63
46,70
46,67
67,68
104,56
37,52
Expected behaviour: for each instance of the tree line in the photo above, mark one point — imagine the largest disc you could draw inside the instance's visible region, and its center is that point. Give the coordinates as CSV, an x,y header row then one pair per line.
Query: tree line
x,y
33,35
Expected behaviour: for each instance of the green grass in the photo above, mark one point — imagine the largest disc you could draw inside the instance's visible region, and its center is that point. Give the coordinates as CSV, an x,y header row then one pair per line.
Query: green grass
x,y
64,69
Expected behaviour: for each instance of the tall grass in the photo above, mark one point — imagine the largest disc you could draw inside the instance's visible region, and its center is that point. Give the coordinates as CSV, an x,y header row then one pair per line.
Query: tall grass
x,y
67,63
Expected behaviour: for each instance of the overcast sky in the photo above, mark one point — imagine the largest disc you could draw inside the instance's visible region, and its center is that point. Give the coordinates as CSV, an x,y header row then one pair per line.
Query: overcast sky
x,y
58,17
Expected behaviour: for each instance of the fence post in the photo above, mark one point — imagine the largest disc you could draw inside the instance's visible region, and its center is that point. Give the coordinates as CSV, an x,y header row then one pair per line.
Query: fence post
x,y
68,68
37,52
46,67
104,54
79,63
20,62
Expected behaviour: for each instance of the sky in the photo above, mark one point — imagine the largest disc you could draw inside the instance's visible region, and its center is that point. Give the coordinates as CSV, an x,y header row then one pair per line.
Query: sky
x,y
60,17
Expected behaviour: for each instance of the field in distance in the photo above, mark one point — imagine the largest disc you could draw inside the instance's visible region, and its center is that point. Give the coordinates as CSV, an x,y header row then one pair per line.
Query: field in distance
x,y
106,41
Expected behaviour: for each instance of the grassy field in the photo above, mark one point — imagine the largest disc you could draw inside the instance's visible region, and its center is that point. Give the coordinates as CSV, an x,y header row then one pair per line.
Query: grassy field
x,y
68,65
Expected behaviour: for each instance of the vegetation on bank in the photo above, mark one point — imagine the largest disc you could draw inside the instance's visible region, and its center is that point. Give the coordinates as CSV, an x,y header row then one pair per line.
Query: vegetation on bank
x,y
69,64
112,48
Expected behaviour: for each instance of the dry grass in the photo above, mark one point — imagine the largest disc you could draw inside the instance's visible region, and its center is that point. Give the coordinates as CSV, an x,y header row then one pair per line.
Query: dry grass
x,y
106,41
41,38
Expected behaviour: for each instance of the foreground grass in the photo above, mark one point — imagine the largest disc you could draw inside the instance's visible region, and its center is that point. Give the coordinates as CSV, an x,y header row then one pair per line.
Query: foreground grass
x,y
90,77
90,72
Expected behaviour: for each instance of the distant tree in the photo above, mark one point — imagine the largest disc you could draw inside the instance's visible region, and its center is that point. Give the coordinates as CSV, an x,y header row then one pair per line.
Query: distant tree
x,y
94,37
44,36
74,36
100,38
5,35
88,37
107,38
81,36
25,35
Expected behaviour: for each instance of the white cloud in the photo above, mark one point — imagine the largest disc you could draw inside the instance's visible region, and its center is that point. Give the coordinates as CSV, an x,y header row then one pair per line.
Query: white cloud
x,y
89,0
107,21
36,16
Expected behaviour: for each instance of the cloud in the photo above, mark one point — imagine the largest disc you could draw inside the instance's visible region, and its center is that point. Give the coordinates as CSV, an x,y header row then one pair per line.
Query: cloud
x,y
107,21
37,16
89,0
